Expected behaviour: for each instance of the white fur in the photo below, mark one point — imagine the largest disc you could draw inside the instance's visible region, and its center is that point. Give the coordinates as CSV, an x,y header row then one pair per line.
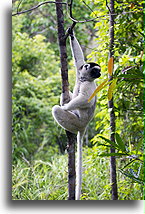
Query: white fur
x,y
75,115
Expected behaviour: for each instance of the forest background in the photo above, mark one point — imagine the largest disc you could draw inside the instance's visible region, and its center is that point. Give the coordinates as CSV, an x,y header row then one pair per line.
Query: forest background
x,y
39,144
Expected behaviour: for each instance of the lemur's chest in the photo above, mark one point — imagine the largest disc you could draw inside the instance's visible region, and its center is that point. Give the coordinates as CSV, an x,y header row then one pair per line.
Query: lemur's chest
x,y
86,88
76,89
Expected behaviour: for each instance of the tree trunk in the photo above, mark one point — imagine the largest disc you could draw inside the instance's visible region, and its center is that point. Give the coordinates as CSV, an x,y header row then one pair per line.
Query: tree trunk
x,y
113,179
65,98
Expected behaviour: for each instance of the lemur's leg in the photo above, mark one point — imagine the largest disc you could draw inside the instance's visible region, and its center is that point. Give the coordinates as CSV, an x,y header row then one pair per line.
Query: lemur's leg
x,y
67,119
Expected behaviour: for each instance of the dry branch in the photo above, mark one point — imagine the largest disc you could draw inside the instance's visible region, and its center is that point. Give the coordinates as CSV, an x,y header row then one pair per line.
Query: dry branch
x,y
65,98
113,178
36,6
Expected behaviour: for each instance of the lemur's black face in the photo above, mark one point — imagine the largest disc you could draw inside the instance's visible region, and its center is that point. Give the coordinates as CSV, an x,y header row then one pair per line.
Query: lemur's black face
x,y
95,70
91,69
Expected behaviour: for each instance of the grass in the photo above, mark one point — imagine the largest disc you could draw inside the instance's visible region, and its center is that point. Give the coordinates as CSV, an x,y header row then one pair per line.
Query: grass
x,y
41,180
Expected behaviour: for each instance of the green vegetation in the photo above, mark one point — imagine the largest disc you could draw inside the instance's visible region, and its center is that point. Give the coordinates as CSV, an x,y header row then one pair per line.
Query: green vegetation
x,y
43,180
38,144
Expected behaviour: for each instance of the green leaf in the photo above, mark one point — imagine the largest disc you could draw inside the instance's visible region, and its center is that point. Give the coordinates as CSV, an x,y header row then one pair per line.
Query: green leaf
x,y
129,175
120,143
110,142
20,183
139,145
128,164
112,154
130,76
101,144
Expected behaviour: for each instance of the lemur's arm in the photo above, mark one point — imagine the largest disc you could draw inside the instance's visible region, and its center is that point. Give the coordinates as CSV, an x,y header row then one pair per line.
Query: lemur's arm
x,y
76,51
80,101
61,98
76,103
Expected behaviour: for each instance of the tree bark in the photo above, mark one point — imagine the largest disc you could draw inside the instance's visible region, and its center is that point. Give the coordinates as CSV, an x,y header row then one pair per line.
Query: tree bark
x,y
65,98
113,178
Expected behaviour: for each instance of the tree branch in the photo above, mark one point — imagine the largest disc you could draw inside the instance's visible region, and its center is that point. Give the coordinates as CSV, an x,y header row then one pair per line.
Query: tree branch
x,y
71,15
108,6
89,8
72,26
65,99
70,11
97,17
113,175
35,7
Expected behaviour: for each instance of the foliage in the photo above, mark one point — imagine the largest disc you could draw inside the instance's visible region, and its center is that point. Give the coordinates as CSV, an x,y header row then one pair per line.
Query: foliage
x,y
36,88
128,69
39,170
43,21
128,72
133,157
36,82
110,81
41,180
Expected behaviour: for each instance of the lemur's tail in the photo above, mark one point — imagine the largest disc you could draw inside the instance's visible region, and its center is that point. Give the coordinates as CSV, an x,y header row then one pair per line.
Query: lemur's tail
x,y
79,165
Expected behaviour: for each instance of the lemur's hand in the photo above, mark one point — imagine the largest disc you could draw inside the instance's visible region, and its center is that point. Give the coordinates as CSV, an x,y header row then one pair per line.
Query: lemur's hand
x,y
64,107
70,32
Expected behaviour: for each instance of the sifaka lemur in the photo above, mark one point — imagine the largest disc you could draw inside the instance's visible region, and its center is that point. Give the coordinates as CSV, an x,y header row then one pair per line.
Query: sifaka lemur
x,y
75,115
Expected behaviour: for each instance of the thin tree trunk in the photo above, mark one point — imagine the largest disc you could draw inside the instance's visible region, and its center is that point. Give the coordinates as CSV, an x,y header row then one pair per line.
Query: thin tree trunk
x,y
112,114
65,92
71,165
